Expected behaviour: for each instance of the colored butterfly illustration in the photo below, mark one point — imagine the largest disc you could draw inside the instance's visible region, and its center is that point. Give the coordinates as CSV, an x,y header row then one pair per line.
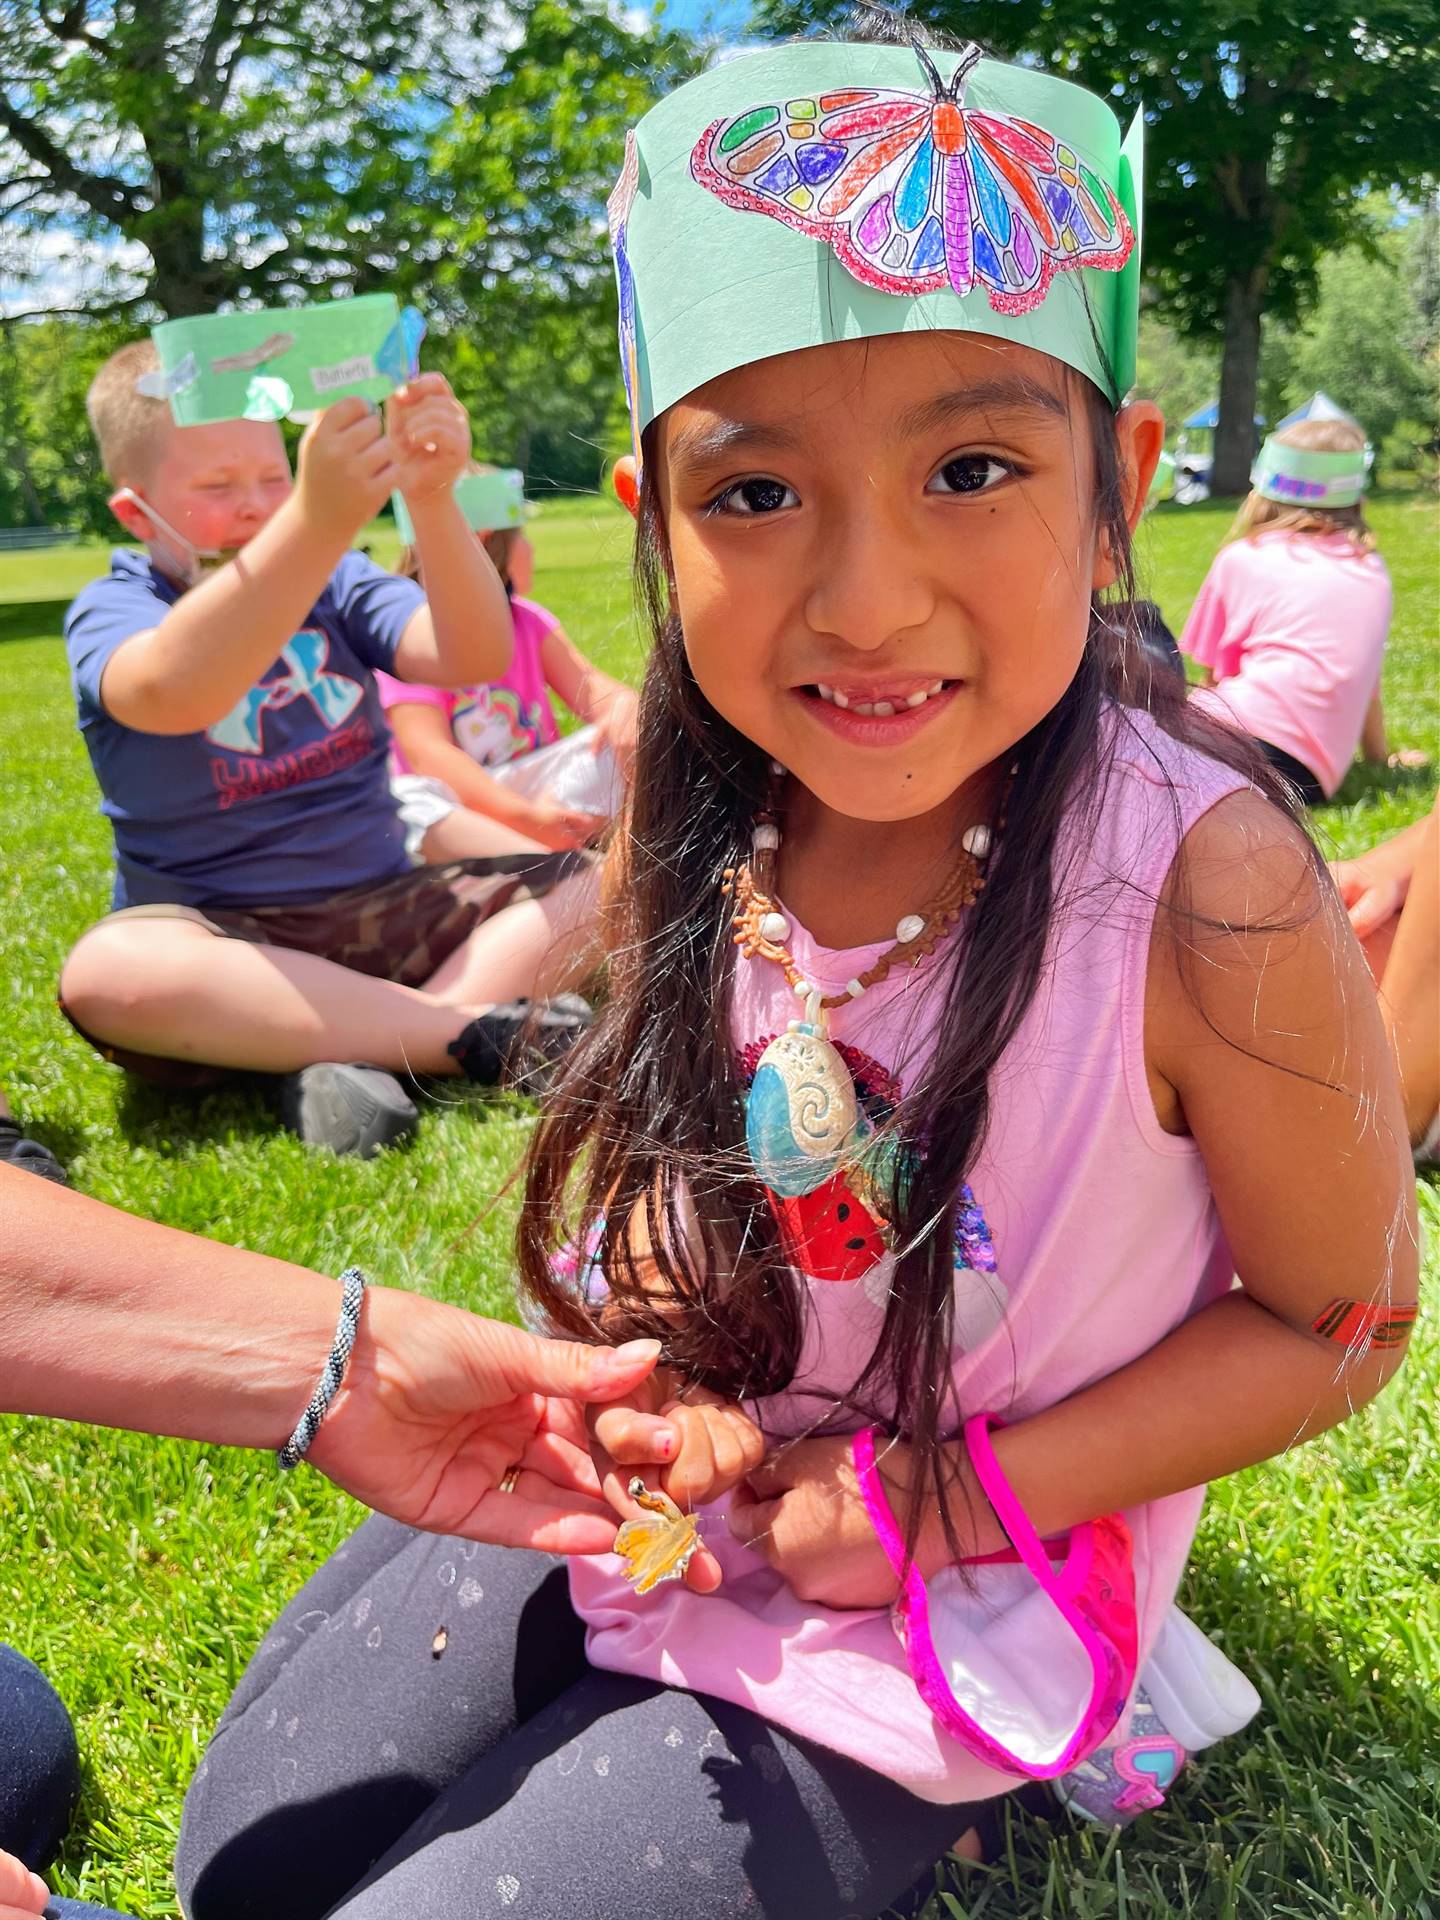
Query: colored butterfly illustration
x,y
617,209
655,1549
917,192
398,355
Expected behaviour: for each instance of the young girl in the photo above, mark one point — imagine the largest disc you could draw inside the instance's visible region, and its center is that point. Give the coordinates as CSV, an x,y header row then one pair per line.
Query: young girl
x,y
1290,625
978,1012
464,751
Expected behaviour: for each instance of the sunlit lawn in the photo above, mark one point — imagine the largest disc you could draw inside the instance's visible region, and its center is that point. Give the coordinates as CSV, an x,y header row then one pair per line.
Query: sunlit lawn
x,y
141,1574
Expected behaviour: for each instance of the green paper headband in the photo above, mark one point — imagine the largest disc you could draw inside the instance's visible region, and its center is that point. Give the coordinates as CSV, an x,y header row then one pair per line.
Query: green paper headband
x,y
291,360
819,192
1297,477
489,502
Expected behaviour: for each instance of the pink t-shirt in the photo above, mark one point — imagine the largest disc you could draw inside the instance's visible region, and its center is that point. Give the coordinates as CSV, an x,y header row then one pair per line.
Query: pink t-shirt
x,y
501,719
1293,626
1086,1235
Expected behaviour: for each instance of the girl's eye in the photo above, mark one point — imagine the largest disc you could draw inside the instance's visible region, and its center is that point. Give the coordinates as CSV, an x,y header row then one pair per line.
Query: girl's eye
x,y
970,473
750,498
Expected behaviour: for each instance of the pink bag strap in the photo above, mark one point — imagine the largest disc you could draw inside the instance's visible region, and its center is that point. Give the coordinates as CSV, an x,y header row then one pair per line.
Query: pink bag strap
x,y
912,1606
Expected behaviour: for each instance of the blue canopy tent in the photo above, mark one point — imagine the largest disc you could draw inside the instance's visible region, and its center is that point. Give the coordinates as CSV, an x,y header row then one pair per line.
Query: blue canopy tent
x,y
1208,418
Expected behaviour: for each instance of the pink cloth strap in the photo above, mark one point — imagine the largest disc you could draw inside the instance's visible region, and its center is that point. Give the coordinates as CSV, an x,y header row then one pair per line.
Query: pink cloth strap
x,y
1094,1593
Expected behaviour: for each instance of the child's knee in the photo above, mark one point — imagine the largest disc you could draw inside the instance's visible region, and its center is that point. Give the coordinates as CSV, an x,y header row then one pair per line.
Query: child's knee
x,y
116,970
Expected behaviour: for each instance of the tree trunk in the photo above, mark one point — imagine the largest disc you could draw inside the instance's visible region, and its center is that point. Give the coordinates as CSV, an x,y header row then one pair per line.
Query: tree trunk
x,y
1239,387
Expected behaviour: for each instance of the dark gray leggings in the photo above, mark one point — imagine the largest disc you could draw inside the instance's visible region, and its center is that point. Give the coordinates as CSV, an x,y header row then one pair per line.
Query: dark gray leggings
x,y
420,1738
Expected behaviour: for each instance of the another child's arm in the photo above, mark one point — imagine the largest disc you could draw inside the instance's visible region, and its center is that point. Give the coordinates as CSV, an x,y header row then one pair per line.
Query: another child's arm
x,y
463,633
608,705
1269,1050
424,736
185,673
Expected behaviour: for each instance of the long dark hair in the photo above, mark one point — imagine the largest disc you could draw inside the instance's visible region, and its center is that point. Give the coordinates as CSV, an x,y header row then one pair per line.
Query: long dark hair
x,y
647,1124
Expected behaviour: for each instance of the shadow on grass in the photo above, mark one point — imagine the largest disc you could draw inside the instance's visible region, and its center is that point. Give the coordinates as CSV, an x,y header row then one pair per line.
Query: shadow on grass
x,y
1368,782
32,619
168,1120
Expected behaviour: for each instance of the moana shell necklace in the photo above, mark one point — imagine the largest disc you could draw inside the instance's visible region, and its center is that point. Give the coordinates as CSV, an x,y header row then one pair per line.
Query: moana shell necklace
x,y
803,1122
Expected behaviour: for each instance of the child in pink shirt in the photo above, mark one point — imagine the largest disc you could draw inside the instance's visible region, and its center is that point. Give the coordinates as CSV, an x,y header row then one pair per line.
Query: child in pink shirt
x,y
1290,624
458,751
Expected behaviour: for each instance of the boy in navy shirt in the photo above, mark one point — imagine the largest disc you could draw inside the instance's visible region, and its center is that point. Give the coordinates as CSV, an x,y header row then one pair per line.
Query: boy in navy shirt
x,y
265,914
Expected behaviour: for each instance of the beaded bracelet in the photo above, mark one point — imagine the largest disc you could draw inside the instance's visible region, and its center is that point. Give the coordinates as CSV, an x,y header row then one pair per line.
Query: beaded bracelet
x,y
354,1283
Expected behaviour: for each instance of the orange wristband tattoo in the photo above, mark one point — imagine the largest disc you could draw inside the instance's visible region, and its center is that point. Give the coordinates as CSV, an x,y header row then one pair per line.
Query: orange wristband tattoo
x,y
1359,1325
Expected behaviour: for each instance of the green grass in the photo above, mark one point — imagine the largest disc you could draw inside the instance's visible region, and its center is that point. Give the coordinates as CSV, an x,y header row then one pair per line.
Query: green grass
x,y
140,1574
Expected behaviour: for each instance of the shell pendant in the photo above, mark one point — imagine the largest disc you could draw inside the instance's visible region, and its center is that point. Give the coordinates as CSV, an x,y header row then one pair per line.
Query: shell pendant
x,y
802,1118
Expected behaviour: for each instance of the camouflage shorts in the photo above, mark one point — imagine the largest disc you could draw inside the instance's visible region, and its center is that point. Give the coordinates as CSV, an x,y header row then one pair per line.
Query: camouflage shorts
x,y
402,930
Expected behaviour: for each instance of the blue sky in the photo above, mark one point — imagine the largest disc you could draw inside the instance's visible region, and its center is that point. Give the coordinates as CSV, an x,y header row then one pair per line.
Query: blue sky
x,y
718,16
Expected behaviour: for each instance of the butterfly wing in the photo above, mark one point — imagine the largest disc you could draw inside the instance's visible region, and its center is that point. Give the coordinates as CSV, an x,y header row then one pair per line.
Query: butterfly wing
x,y
1037,210
660,1544
856,168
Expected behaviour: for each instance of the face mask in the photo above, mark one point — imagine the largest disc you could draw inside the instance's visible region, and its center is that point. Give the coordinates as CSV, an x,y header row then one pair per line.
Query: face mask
x,y
189,563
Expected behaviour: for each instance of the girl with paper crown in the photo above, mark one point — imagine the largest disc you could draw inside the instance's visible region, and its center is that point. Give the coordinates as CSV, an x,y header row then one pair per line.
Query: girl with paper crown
x,y
1290,626
977,1011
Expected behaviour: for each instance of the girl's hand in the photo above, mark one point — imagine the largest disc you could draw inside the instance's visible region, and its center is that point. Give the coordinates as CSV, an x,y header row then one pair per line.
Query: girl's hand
x,y
22,1893
802,1510
616,724
430,433
557,827
695,1448
1372,892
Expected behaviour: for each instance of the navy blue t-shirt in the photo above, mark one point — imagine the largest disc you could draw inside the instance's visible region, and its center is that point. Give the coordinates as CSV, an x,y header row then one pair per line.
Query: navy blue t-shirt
x,y
285,799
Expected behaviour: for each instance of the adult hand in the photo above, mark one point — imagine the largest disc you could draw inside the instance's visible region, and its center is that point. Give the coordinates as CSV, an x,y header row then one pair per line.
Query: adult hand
x,y
802,1511
438,1406
430,433
22,1893
346,470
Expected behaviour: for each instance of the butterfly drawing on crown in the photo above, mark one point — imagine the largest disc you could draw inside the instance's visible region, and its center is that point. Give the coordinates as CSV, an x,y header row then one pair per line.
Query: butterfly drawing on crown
x,y
916,191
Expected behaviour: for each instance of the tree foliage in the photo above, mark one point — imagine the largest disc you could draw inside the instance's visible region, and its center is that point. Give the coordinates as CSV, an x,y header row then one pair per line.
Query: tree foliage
x,y
259,152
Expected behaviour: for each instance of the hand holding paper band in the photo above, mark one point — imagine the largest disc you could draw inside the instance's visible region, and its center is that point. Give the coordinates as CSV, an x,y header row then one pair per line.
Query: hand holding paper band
x,y
430,433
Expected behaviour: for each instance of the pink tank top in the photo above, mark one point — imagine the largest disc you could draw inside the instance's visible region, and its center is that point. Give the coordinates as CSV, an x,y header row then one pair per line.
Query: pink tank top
x,y
1086,1235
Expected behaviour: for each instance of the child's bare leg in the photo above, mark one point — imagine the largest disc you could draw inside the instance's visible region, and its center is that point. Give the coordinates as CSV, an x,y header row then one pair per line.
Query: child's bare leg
x,y
172,988
535,947
1410,986
464,834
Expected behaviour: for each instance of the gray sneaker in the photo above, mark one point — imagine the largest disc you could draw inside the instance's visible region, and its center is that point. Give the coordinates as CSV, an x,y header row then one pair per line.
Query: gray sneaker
x,y
348,1109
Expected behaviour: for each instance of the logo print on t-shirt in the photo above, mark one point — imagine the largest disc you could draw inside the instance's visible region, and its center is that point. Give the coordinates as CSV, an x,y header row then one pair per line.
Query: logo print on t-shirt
x,y
494,725
299,674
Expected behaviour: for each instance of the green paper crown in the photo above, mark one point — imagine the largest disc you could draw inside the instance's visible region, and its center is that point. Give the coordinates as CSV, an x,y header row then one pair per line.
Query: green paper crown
x,y
820,192
262,366
1298,477
489,502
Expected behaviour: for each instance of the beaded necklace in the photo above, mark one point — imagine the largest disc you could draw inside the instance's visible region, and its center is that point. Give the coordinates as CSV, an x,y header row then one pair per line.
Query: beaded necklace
x,y
802,1118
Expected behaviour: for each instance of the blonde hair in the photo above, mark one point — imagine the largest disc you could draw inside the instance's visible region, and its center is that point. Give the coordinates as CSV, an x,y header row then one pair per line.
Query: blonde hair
x,y
131,429
498,544
1258,515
